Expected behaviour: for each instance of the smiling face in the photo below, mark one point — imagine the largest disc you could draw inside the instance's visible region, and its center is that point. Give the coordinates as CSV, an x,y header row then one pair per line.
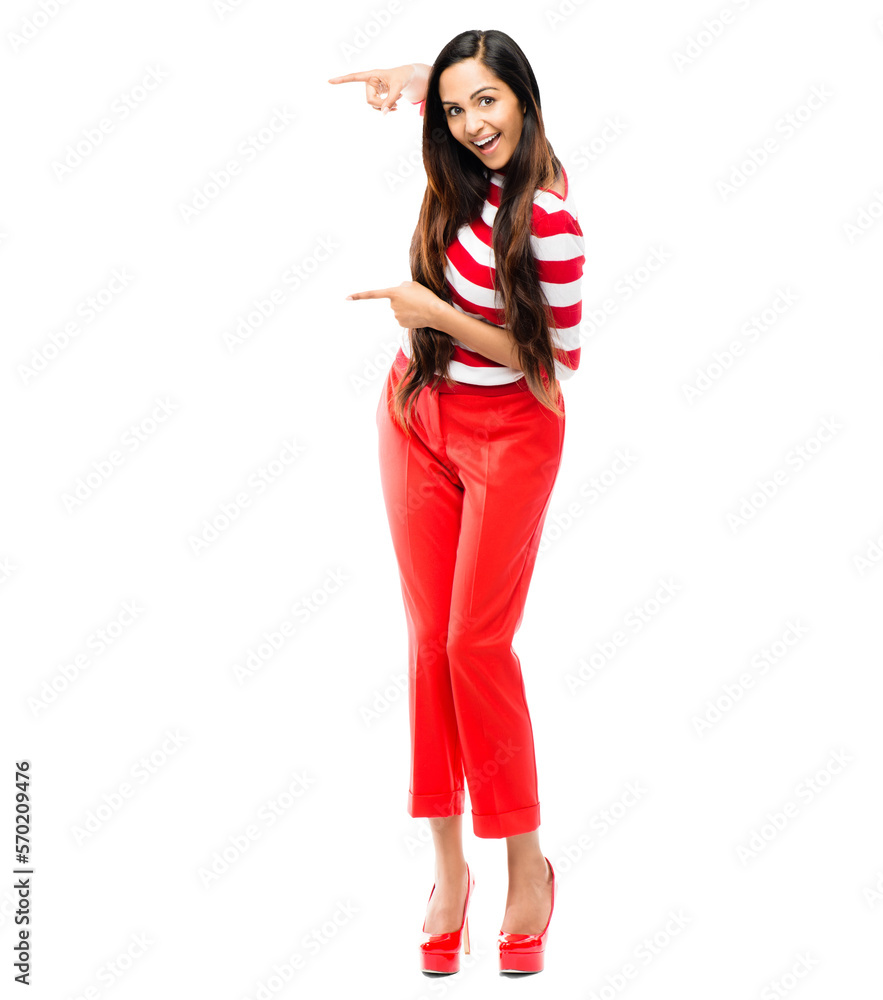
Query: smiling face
x,y
477,105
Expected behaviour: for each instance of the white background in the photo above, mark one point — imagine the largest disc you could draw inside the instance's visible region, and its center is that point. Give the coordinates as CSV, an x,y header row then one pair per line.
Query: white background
x,y
698,839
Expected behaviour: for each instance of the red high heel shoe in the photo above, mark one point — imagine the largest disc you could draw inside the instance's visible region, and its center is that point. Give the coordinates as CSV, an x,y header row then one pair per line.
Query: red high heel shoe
x,y
524,953
440,953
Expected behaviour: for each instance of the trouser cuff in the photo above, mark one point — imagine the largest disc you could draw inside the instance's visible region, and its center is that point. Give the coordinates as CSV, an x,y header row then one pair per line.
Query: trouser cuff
x,y
437,805
508,824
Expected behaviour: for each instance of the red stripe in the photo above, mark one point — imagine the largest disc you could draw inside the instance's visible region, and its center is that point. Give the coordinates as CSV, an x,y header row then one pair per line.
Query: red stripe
x,y
467,265
570,359
483,231
554,223
476,388
560,272
474,359
495,316
554,272
567,316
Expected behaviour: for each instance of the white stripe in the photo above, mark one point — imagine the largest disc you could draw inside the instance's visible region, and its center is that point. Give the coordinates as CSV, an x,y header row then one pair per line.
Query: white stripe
x,y
545,199
558,246
476,249
477,294
566,293
486,375
567,338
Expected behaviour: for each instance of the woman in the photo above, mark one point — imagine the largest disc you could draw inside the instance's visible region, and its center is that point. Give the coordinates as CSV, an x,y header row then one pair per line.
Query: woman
x,y
471,430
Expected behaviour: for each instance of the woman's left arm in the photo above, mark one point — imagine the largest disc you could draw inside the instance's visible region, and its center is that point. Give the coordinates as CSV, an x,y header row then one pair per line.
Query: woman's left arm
x,y
493,342
415,306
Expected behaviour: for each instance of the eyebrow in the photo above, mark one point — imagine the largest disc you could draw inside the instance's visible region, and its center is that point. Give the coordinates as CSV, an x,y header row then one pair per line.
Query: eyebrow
x,y
473,95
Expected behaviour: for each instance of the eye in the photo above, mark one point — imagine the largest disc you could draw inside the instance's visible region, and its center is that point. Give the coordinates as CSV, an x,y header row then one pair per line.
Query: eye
x,y
455,108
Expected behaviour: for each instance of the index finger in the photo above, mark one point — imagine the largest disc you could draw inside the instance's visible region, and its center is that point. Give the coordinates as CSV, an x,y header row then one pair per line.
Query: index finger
x,y
362,77
374,293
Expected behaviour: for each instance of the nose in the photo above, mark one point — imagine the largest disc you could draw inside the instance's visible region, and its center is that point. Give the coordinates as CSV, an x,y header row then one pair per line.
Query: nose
x,y
475,127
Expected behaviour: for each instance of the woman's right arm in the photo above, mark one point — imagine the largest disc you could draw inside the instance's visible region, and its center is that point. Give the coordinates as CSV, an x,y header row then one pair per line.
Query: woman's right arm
x,y
383,87
415,90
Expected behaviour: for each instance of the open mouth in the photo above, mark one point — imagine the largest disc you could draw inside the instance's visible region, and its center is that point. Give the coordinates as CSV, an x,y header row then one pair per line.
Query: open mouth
x,y
489,144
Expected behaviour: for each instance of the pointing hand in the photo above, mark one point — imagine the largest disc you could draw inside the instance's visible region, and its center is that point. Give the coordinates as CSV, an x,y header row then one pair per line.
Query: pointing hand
x,y
414,304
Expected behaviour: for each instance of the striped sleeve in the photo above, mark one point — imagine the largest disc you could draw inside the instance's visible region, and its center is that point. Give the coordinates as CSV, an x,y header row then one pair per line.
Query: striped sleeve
x,y
558,245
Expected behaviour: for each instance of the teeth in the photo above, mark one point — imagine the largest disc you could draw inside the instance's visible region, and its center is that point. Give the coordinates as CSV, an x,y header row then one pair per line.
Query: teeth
x,y
490,138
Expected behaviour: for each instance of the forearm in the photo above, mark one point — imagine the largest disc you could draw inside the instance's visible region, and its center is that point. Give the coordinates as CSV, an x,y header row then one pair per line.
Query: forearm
x,y
416,88
491,341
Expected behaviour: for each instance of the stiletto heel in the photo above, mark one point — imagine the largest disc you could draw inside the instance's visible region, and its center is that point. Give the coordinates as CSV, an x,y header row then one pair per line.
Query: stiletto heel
x,y
440,953
525,953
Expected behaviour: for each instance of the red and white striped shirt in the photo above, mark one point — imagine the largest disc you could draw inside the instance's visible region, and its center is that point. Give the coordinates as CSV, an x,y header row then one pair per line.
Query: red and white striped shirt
x,y
558,245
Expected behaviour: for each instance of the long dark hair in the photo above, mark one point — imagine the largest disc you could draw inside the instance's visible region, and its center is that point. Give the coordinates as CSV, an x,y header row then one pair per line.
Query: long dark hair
x,y
456,187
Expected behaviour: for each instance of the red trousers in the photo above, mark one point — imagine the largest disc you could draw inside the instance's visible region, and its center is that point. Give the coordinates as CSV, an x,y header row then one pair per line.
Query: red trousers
x,y
466,498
